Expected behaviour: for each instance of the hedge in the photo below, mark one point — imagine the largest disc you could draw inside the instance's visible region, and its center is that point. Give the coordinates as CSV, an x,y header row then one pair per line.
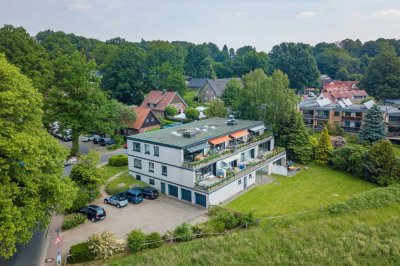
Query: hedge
x,y
183,232
73,220
377,197
153,240
118,160
80,253
136,240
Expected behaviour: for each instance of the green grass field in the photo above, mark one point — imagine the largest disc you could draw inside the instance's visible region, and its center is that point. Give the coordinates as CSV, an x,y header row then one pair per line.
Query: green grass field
x,y
122,183
108,170
370,237
309,189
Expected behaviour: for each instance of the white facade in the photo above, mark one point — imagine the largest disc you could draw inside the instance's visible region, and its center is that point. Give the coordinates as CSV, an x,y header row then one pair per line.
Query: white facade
x,y
168,173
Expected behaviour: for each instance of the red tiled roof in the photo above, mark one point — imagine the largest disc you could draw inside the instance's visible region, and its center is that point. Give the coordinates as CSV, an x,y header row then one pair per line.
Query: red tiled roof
x,y
160,98
342,85
141,115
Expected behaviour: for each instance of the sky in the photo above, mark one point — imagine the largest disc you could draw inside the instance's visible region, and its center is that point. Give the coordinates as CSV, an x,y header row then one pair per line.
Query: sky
x,y
258,23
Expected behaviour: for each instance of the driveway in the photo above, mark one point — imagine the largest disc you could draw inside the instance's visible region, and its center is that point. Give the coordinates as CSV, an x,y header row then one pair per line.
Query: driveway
x,y
160,215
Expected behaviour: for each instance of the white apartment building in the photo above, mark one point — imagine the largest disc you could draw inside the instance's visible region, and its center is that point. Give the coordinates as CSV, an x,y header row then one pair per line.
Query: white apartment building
x,y
207,161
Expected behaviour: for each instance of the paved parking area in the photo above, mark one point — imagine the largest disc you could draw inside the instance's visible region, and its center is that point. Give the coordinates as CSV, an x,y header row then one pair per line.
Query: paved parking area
x,y
158,215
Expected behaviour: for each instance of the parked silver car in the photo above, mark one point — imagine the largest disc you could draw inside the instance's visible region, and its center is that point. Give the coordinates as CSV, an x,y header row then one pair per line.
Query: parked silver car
x,y
116,200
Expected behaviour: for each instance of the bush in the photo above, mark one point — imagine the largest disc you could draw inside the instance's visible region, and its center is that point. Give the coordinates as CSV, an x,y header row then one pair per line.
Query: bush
x,y
82,198
153,240
230,218
104,245
183,232
214,226
83,175
171,110
73,220
113,147
136,240
192,113
378,197
80,253
118,160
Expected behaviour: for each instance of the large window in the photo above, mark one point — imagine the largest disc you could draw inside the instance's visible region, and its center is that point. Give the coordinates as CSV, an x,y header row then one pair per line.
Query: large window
x,y
156,151
136,146
146,148
151,181
137,163
164,170
151,167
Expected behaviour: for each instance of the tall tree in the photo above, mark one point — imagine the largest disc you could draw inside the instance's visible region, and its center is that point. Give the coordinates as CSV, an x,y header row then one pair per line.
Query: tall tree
x,y
76,101
324,147
266,98
216,108
373,128
125,76
168,78
296,61
25,52
231,94
293,135
31,163
382,79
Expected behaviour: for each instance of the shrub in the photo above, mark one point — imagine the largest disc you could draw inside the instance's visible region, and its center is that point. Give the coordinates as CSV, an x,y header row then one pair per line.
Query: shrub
x,y
153,240
113,147
104,245
73,220
378,197
214,226
136,240
228,218
171,110
82,198
80,253
183,232
118,160
192,113
83,175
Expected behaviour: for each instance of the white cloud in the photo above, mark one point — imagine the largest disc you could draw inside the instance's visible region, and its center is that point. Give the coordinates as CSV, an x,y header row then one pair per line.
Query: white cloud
x,y
387,13
79,5
306,14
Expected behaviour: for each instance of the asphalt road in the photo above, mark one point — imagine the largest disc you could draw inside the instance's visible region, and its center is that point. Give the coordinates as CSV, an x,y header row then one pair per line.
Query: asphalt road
x,y
30,254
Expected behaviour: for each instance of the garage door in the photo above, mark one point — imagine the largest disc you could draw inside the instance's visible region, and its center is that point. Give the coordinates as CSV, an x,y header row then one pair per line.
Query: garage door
x,y
186,195
200,199
173,190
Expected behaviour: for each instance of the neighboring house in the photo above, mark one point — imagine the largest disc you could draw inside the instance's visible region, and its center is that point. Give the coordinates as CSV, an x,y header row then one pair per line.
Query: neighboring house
x,y
145,120
392,121
157,101
209,89
207,161
197,83
349,116
338,90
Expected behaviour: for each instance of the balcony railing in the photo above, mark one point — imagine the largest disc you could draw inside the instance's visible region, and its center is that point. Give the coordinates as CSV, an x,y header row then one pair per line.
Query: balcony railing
x,y
325,117
308,115
393,134
352,129
250,167
228,152
351,118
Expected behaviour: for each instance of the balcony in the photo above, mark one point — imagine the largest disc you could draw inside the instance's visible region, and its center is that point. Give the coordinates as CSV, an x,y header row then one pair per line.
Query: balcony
x,y
213,183
351,129
351,118
214,157
322,117
308,115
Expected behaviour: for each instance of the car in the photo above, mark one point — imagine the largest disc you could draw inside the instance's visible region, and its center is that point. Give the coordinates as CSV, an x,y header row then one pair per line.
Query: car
x,y
116,200
93,212
71,161
87,138
106,141
149,192
125,145
133,195
96,139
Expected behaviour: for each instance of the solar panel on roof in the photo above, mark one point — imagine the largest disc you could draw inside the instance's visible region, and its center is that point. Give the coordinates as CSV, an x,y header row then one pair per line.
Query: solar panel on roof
x,y
369,104
347,102
341,103
323,102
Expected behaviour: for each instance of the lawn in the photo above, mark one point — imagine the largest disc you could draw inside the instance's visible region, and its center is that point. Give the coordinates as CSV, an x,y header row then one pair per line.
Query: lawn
x,y
309,189
122,183
369,237
108,170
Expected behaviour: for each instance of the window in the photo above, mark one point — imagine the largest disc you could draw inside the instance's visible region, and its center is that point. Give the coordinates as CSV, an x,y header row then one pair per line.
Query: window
x,y
337,113
250,176
151,167
239,181
152,119
151,181
147,120
138,177
137,163
156,151
146,148
136,146
163,170
347,113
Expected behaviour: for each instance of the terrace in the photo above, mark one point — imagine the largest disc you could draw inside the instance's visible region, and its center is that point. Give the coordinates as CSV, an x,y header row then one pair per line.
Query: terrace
x,y
214,155
211,182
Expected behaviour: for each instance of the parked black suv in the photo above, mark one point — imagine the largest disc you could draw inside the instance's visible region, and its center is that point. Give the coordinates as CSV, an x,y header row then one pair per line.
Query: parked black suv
x,y
106,141
149,192
93,212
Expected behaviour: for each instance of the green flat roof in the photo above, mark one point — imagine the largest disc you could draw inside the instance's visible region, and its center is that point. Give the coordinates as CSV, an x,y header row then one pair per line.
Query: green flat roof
x,y
172,137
